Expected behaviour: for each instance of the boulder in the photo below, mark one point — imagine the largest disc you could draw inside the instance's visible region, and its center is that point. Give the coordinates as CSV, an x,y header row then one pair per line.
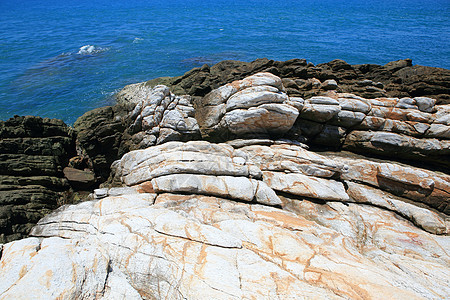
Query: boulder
x,y
255,105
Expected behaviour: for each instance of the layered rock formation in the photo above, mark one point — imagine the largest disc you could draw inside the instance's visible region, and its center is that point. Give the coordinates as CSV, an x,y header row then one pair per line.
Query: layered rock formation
x,y
256,215
33,153
143,117
252,106
406,128
105,133
198,220
300,78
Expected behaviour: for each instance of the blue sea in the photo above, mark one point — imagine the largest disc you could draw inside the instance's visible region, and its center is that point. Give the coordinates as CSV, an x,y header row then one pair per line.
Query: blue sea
x,y
61,58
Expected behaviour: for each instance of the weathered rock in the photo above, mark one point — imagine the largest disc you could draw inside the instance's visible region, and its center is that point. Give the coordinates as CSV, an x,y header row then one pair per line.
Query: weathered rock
x,y
430,221
197,247
389,127
419,185
261,217
253,106
306,186
33,153
195,167
330,84
99,135
399,146
82,179
395,79
108,133
143,117
257,173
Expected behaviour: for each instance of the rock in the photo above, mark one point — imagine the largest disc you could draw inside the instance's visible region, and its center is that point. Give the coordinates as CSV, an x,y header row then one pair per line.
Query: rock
x,y
33,153
261,216
143,117
79,178
99,134
416,184
399,146
267,118
430,221
108,133
301,185
329,84
394,66
198,168
425,104
216,245
255,105
319,112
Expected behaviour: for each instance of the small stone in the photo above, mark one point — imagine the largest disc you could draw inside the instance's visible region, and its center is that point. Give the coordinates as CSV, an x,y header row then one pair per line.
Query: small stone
x,y
330,84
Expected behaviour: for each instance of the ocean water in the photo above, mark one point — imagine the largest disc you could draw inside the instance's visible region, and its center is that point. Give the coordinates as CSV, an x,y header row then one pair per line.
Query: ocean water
x,y
61,58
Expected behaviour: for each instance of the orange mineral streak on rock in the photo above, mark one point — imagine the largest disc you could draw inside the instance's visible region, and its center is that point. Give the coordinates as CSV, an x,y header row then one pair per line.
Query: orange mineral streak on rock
x,y
46,278
23,271
146,187
283,284
283,220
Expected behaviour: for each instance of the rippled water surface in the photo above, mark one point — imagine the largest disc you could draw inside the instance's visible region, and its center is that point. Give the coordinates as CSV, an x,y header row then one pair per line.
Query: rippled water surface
x,y
62,58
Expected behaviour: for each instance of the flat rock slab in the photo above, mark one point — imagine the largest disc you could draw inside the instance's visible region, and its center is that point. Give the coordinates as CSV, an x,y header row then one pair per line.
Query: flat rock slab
x,y
227,250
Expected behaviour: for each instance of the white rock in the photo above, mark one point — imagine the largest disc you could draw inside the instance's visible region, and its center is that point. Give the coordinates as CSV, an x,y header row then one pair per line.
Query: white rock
x,y
302,185
247,99
210,248
267,118
425,104
223,186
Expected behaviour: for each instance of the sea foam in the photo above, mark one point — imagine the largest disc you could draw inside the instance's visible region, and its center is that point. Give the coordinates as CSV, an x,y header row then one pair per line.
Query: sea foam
x,y
89,50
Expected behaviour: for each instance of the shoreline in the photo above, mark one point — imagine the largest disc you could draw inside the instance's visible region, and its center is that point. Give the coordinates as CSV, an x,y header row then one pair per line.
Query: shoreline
x,y
286,167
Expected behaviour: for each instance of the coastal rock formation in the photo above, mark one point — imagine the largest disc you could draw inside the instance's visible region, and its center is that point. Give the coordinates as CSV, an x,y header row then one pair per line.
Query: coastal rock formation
x,y
158,116
254,105
143,117
395,79
406,128
198,220
33,153
221,194
99,137
105,134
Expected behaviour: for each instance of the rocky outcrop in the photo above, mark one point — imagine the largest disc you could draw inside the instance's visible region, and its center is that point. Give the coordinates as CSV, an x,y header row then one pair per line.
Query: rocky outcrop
x,y
395,79
99,137
195,168
143,117
257,106
252,106
33,153
107,133
260,220
412,129
159,116
250,211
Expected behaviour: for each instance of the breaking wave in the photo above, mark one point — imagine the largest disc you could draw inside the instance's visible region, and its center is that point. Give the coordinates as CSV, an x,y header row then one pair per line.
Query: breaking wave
x,y
90,50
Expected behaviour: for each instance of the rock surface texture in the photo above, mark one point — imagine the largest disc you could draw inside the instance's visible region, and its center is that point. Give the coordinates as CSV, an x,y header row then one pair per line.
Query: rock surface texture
x,y
414,129
254,105
198,220
33,153
217,195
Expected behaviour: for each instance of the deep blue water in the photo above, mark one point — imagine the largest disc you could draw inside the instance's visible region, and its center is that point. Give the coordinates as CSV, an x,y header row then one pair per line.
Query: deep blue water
x,y
44,72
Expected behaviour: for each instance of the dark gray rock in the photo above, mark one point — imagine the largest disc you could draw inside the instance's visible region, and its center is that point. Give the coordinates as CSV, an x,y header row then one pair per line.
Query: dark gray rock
x,y
33,153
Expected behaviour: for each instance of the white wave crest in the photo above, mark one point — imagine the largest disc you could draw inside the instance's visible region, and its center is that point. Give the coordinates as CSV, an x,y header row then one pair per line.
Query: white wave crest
x,y
89,50
137,40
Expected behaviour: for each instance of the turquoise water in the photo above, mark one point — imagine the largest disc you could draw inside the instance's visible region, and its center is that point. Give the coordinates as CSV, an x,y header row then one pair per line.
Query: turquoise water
x,y
48,67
